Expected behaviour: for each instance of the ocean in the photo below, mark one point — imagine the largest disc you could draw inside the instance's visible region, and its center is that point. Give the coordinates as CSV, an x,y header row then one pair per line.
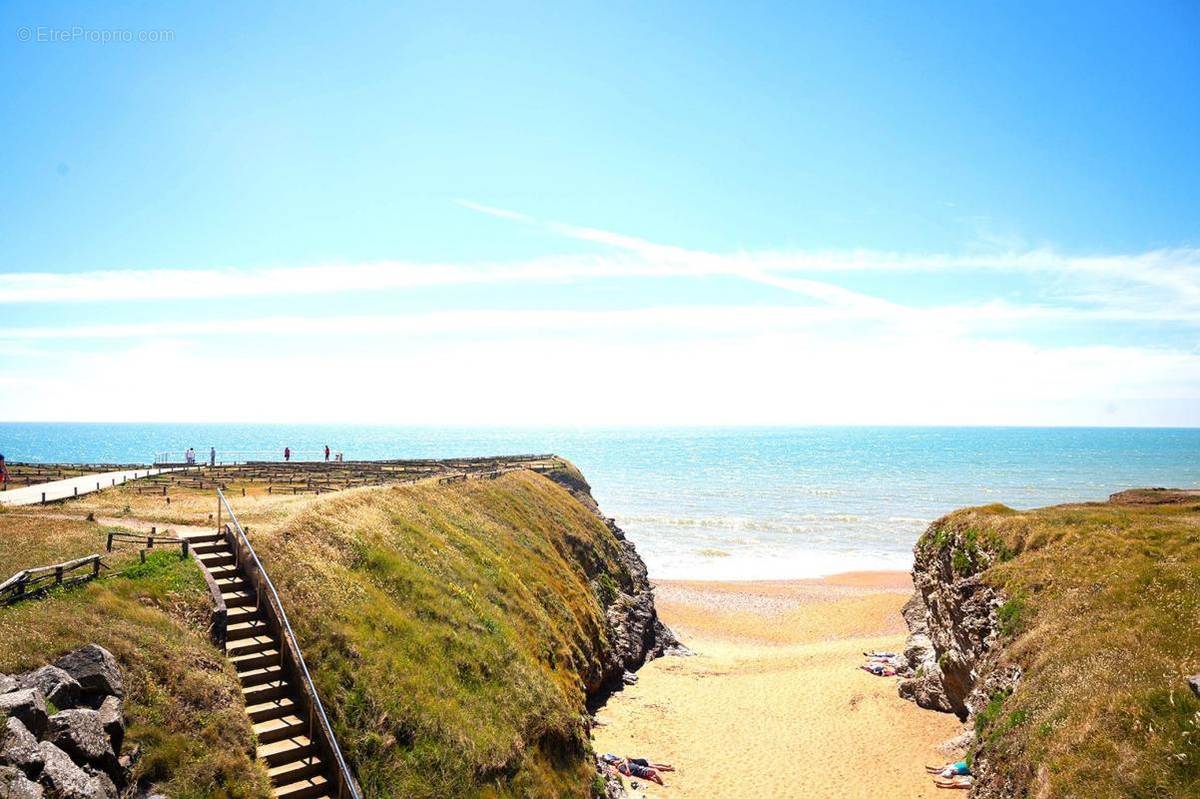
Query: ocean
x,y
725,503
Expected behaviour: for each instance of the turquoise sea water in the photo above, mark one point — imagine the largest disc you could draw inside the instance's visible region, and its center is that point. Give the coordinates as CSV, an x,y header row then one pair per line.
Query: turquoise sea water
x,y
732,502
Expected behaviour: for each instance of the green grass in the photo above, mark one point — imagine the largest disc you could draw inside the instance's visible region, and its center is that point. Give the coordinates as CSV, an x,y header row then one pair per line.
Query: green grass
x,y
1102,610
453,630
183,704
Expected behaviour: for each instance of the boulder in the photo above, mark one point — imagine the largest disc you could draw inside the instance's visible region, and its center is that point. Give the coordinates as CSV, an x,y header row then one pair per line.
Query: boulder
x,y
19,747
28,705
1194,683
95,669
59,688
15,785
64,779
7,683
80,734
104,782
112,717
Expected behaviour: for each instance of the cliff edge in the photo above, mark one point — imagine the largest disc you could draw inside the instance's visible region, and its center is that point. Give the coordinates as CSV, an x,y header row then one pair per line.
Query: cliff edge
x,y
1065,638
457,632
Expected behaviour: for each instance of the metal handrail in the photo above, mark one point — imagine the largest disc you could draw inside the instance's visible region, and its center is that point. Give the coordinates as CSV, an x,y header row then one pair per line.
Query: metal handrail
x,y
343,769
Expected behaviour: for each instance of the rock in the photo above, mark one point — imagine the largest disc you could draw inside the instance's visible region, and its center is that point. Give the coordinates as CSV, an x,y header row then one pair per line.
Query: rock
x,y
59,688
112,717
28,705
1194,683
629,678
95,669
19,747
81,735
103,781
15,785
7,683
65,779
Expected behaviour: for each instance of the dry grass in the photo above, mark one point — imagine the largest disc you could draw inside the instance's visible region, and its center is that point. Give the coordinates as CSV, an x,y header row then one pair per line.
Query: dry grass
x,y
452,630
1104,618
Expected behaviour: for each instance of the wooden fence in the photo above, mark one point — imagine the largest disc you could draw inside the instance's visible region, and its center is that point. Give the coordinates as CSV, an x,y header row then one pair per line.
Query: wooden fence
x,y
30,581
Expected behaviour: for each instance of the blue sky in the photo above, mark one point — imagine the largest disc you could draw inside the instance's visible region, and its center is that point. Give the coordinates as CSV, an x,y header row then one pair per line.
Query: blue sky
x,y
698,213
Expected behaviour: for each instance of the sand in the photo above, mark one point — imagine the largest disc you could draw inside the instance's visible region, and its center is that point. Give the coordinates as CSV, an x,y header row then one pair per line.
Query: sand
x,y
773,704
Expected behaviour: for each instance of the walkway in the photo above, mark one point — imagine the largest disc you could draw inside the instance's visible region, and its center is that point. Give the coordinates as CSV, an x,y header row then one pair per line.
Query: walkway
x,y
74,486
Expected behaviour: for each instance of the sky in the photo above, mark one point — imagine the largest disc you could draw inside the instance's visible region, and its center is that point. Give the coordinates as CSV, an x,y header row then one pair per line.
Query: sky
x,y
598,214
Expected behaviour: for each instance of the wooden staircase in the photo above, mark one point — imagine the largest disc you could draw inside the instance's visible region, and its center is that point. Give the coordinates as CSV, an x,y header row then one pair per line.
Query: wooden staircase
x,y
256,652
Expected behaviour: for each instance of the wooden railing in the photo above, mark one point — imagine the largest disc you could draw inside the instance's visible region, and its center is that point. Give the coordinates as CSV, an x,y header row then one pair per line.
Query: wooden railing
x,y
116,537
320,730
30,581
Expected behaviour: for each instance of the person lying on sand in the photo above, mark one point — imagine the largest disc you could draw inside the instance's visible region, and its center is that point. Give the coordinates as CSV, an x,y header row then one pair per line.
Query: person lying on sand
x,y
958,769
630,768
641,761
878,669
876,654
962,783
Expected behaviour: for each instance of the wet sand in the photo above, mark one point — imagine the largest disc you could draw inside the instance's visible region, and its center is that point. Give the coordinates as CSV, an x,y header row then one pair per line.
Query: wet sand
x,y
773,704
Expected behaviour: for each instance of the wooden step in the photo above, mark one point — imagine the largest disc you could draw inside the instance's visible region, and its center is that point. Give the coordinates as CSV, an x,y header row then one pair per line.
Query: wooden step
x,y
238,599
245,646
238,615
271,709
255,660
220,573
251,628
260,675
306,788
279,728
287,750
260,693
296,770
209,546
212,559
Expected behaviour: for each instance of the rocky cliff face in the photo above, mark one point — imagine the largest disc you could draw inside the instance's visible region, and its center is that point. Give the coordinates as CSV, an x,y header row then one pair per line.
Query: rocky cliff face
x,y
953,658
635,631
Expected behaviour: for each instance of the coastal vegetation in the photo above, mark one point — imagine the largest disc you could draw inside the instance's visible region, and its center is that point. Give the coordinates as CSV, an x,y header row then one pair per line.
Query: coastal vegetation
x,y
1094,634
454,630
183,703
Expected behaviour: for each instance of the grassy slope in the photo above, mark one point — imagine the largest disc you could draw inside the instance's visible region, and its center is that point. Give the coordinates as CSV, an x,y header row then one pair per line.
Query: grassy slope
x,y
449,627
182,704
1104,618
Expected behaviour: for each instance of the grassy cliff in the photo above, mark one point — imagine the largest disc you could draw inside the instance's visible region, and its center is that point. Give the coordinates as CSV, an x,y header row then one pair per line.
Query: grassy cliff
x,y
1069,633
454,630
183,703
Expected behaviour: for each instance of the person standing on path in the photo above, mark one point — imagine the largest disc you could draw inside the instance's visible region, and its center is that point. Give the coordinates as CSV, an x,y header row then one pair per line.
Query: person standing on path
x,y
212,456
327,453
287,454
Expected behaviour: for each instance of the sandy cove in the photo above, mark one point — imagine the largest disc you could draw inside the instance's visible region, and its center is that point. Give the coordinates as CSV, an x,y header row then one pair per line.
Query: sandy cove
x,y
773,703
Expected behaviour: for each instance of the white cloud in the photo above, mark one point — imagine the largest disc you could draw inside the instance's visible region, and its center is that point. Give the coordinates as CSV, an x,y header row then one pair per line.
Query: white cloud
x,y
755,376
840,356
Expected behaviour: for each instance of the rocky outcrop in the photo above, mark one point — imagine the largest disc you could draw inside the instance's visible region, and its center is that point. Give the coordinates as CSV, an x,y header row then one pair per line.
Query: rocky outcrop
x,y
78,754
953,658
634,629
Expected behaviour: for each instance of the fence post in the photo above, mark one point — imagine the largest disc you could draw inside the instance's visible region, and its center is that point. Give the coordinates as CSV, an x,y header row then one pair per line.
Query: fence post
x,y
95,568
58,574
186,547
76,490
110,538
43,497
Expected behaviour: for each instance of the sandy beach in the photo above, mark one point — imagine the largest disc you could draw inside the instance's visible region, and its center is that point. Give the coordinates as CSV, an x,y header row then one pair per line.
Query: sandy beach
x,y
773,704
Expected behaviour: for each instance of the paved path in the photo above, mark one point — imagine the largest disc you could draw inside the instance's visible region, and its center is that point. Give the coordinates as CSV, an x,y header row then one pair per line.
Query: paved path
x,y
73,486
